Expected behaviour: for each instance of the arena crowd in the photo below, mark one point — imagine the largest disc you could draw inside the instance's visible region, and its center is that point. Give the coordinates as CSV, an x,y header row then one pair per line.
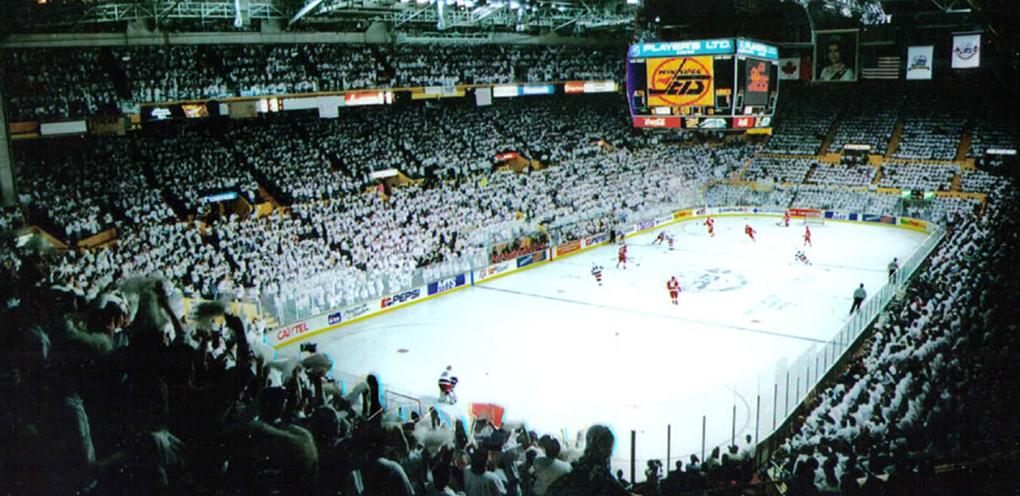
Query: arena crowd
x,y
203,406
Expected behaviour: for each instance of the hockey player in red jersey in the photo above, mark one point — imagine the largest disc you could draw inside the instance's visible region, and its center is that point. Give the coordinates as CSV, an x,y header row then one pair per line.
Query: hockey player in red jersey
x,y
807,236
786,219
621,257
596,272
664,236
710,224
673,285
749,231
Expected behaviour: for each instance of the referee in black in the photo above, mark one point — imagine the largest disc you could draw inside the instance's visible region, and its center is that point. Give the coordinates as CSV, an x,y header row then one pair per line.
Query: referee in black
x,y
859,295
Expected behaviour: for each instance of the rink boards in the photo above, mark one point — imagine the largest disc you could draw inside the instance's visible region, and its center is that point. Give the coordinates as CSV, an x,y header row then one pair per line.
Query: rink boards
x,y
295,332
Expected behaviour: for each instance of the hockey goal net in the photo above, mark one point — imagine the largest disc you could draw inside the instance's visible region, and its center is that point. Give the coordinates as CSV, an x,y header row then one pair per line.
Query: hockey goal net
x,y
401,404
808,217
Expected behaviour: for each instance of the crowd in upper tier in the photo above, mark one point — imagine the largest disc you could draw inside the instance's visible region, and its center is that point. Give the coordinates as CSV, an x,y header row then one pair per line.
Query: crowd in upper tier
x,y
934,120
57,83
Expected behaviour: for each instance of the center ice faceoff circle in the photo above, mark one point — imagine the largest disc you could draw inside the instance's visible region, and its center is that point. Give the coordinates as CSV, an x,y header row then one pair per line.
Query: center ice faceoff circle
x,y
712,280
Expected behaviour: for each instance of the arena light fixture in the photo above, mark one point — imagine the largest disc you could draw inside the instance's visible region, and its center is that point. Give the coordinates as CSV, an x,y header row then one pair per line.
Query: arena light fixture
x,y
870,11
308,7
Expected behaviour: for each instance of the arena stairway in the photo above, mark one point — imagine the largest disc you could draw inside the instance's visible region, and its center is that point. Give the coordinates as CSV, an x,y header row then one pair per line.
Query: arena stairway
x,y
894,141
830,135
810,172
385,71
964,149
49,238
180,211
48,227
264,193
118,76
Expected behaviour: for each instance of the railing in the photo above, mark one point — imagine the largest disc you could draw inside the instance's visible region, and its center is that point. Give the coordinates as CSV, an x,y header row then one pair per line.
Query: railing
x,y
302,298
805,372
851,335
776,397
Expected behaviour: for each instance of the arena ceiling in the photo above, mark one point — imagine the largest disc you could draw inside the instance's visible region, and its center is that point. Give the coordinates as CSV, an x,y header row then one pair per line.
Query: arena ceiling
x,y
667,19
561,16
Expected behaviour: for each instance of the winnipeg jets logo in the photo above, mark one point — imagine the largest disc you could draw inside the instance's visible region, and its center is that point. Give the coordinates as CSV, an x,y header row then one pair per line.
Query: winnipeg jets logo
x,y
966,52
680,81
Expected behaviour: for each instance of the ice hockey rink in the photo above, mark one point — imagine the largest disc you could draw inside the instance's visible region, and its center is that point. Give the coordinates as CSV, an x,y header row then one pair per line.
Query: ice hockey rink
x,y
561,353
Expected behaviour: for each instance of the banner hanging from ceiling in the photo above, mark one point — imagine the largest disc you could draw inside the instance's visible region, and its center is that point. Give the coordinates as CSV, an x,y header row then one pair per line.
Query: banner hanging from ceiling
x,y
919,62
966,51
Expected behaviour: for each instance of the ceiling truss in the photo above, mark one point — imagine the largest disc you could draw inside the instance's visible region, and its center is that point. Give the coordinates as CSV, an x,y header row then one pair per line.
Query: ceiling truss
x,y
434,15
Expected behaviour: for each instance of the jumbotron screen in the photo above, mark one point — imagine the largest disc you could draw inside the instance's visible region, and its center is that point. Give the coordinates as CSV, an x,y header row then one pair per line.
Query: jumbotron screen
x,y
703,84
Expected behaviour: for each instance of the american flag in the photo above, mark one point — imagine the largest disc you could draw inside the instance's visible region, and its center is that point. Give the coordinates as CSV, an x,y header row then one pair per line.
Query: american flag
x,y
881,68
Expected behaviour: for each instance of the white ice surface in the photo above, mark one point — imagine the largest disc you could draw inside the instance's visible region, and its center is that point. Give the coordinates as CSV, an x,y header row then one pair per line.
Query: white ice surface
x,y
561,353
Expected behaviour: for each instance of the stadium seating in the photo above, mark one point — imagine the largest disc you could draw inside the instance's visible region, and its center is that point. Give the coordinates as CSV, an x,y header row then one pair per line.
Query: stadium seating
x,y
66,83
913,176
993,128
778,170
843,175
85,186
870,120
56,83
979,181
803,118
197,164
932,126
843,200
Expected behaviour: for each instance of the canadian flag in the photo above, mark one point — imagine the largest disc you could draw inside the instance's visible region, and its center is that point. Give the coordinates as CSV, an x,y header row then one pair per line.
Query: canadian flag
x,y
789,68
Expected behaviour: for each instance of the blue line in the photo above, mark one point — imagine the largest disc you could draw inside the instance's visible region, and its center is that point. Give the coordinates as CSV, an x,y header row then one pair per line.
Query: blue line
x,y
628,310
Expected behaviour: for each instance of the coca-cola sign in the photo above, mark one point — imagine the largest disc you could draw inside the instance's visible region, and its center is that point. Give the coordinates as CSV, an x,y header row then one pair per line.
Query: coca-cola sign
x,y
657,122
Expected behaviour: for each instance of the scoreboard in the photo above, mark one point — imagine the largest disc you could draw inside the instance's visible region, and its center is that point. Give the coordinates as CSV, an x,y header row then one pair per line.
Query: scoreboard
x,y
703,84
